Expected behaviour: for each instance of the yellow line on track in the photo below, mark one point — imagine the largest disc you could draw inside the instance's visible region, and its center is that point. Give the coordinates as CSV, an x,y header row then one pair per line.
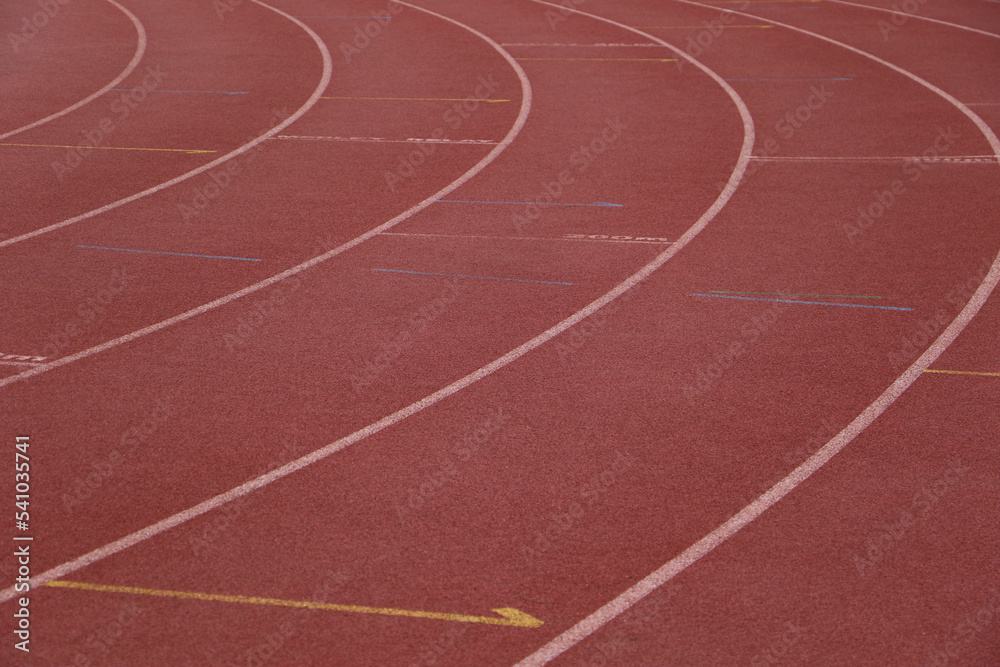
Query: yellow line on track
x,y
657,60
419,99
114,148
712,27
507,616
962,372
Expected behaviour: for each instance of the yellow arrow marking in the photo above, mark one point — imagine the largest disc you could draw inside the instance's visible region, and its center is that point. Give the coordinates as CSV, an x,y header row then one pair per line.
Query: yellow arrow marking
x,y
963,373
113,148
418,99
508,615
657,60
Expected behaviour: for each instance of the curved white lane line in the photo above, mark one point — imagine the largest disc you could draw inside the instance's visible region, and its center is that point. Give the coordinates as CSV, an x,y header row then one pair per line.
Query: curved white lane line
x,y
916,16
324,82
140,50
412,409
221,301
689,556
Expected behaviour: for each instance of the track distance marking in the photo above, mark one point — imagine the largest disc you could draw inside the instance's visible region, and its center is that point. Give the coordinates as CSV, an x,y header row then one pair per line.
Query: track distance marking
x,y
508,615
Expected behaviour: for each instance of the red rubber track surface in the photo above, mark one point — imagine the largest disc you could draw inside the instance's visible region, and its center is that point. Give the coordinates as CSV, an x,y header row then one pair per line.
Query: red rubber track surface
x,y
558,481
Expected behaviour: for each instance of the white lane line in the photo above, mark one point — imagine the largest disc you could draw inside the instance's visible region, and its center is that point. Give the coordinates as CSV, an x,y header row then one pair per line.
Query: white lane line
x,y
918,17
458,385
382,140
140,50
324,82
593,238
515,129
946,159
705,545
6,362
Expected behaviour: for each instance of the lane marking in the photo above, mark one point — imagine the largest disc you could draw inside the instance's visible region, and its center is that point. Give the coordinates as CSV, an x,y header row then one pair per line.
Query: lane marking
x,y
113,148
508,616
831,78
388,421
140,50
669,570
455,275
829,296
370,16
421,99
948,159
22,358
324,82
811,303
528,203
928,370
921,18
214,92
657,46
163,252
686,27
575,237
382,140
656,60
4,362
522,117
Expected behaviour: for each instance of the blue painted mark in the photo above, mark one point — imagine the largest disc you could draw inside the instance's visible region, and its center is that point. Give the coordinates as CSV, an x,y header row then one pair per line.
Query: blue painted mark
x,y
526,203
835,78
160,252
453,275
216,92
811,303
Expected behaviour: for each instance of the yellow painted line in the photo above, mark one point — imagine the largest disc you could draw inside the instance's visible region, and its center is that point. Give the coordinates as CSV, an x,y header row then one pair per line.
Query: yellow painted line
x,y
963,372
678,27
657,60
418,99
113,148
508,616
763,2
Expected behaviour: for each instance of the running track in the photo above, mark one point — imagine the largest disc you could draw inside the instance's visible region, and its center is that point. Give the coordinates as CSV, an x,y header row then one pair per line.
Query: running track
x,y
354,322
